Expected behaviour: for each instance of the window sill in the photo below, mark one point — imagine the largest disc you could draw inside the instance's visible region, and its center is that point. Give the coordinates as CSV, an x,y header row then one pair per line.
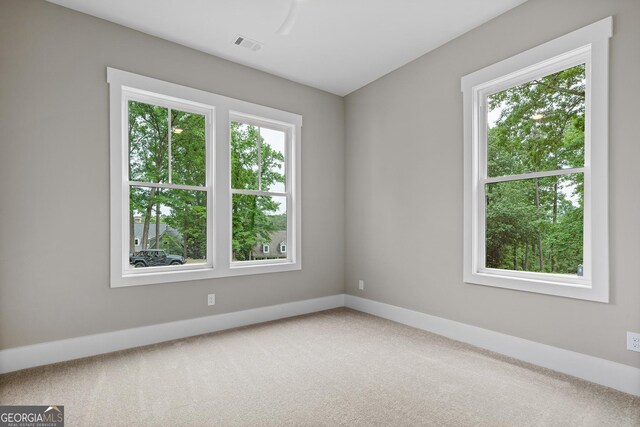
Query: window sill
x,y
548,284
173,275
260,267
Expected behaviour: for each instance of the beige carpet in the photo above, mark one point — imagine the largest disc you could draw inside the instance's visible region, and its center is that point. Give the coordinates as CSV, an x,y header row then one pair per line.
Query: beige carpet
x,y
338,367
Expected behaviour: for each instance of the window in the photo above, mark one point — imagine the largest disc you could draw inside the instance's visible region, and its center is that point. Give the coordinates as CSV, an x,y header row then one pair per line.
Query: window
x,y
283,248
168,184
536,169
259,187
198,180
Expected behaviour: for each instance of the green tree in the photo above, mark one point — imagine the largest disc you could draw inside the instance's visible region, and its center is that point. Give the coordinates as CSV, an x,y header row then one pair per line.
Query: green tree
x,y
149,153
254,166
536,224
188,209
181,159
148,145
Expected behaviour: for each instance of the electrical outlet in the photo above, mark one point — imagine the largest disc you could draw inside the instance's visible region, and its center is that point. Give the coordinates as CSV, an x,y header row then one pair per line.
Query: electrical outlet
x,y
633,341
361,285
211,299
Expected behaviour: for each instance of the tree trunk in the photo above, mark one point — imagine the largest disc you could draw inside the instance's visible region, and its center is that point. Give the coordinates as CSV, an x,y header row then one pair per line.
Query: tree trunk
x,y
252,226
147,218
132,236
526,257
539,236
184,239
515,256
555,220
158,226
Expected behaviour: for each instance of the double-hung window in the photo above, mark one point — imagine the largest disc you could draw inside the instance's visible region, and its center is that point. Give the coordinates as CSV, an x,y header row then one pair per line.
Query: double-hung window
x,y
169,187
536,169
199,183
259,186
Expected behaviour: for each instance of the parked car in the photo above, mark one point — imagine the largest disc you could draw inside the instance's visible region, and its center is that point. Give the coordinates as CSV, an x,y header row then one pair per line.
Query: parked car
x,y
154,258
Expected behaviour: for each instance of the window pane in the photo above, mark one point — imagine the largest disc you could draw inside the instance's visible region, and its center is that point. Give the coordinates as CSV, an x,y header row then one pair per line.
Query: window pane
x,y
259,227
272,160
537,126
536,224
148,142
244,156
172,221
188,148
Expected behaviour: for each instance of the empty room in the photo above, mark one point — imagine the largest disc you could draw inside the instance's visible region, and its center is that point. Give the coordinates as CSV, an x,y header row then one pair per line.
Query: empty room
x,y
319,213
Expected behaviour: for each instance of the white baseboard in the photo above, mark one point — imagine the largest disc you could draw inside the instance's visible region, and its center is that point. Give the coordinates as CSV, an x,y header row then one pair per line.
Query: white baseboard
x,y
611,374
600,371
17,358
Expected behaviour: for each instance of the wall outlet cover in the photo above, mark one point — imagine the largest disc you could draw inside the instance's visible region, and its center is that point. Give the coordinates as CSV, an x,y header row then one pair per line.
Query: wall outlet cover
x,y
633,341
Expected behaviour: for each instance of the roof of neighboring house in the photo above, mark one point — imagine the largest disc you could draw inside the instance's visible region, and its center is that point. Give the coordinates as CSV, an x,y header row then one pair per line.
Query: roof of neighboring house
x,y
164,228
278,236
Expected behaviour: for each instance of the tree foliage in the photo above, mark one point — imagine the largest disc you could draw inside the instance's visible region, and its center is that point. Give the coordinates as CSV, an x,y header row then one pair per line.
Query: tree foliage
x,y
149,154
255,165
537,224
169,145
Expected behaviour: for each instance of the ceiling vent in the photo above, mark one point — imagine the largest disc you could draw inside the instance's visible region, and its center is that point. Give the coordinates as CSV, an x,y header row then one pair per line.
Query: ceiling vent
x,y
246,42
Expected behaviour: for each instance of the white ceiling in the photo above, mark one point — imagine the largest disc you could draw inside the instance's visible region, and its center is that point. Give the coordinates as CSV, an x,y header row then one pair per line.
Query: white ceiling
x,y
334,45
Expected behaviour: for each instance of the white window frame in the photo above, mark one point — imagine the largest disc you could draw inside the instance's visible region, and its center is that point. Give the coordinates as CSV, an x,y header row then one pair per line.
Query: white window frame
x,y
589,45
219,109
288,131
133,94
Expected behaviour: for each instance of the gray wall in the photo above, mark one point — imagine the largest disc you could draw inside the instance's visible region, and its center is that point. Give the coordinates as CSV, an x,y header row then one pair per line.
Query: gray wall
x,y
403,182
404,185
54,178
